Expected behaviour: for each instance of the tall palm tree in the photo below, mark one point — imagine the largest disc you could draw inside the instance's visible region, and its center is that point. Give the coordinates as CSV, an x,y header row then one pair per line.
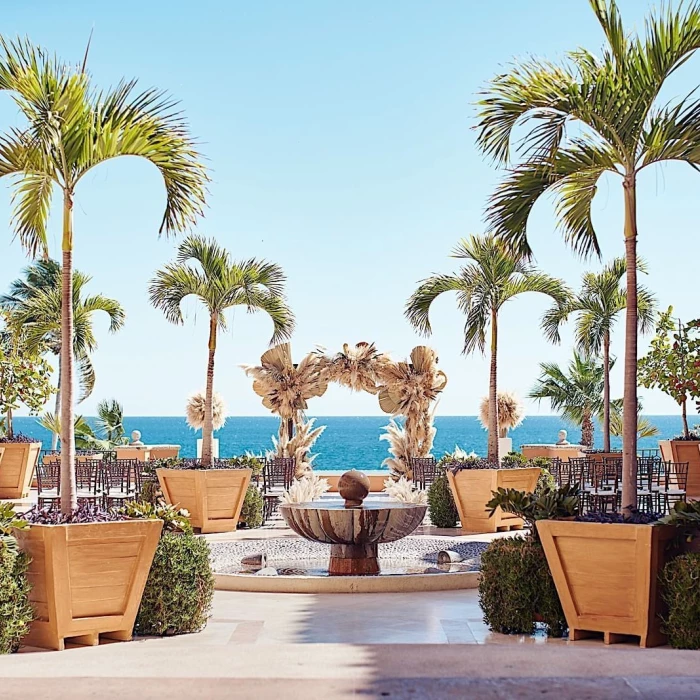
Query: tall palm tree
x,y
220,283
71,127
619,126
493,275
596,308
34,304
576,392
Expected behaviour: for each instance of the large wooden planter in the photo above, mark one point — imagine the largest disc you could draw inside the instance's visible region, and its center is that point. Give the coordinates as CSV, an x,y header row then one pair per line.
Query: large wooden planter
x,y
472,489
87,580
17,462
607,577
213,497
685,451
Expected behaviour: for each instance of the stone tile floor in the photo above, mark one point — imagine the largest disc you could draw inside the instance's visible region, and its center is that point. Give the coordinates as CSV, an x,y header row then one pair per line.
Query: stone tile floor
x,y
418,645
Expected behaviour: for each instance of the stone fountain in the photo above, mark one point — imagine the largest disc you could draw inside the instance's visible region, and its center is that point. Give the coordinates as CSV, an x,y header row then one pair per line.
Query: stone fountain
x,y
353,529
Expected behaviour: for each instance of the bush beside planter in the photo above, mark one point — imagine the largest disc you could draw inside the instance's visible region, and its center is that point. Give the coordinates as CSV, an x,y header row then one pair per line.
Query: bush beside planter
x,y
472,490
87,579
213,497
685,451
17,462
607,577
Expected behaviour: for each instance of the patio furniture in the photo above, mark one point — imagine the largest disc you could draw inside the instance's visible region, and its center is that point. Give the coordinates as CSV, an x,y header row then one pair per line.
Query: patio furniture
x,y
424,471
278,474
603,489
673,487
118,481
48,482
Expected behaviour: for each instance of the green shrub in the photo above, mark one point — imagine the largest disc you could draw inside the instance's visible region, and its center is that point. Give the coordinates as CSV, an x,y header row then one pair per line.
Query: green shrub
x,y
441,504
252,510
680,587
15,610
180,587
516,587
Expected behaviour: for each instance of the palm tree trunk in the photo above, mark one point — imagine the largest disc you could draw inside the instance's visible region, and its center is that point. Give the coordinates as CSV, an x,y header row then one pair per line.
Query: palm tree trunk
x,y
69,496
629,405
57,409
587,429
606,392
208,428
492,455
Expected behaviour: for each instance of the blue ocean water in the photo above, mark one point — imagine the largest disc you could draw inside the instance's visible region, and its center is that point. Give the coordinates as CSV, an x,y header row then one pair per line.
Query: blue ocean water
x,y
349,441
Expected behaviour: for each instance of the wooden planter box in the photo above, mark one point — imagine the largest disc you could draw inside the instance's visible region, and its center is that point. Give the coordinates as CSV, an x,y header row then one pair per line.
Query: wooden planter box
x,y
472,489
685,451
17,462
87,580
607,577
213,497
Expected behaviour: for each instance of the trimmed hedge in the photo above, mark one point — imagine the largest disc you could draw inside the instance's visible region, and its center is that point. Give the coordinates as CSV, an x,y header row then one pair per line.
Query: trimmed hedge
x,y
516,587
252,510
441,504
680,588
180,587
15,610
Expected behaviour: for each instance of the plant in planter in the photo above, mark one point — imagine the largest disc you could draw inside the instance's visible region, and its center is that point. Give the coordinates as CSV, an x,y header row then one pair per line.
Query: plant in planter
x,y
25,379
69,554
673,365
15,609
510,413
212,493
516,589
180,587
253,508
472,481
681,593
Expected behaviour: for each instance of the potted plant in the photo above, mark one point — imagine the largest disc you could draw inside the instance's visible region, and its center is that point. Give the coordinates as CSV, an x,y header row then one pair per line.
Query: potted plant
x,y
510,415
606,569
25,379
673,365
473,480
88,571
212,495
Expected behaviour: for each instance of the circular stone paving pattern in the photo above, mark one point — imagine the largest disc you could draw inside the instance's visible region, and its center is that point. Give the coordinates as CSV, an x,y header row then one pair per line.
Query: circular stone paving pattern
x,y
410,564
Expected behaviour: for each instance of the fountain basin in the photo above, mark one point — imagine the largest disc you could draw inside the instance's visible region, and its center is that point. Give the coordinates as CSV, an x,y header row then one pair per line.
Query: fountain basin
x,y
353,533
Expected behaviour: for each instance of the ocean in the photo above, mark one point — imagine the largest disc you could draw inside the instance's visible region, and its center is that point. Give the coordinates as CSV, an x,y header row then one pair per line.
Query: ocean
x,y
349,441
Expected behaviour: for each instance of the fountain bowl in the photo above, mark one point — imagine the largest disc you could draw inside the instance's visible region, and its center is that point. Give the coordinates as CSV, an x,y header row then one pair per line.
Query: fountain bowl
x,y
353,533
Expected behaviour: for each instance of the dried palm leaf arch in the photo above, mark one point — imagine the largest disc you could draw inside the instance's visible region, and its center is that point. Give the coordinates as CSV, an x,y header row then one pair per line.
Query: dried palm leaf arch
x,y
406,389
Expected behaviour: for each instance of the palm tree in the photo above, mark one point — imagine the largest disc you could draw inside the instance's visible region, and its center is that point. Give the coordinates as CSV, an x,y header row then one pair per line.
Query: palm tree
x,y
596,308
220,283
34,304
618,127
493,275
71,127
576,392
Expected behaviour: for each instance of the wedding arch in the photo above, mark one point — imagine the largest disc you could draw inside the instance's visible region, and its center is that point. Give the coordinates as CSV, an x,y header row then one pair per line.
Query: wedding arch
x,y
407,389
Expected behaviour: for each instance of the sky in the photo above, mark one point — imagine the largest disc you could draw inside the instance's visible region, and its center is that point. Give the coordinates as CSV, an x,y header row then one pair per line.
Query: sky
x,y
340,142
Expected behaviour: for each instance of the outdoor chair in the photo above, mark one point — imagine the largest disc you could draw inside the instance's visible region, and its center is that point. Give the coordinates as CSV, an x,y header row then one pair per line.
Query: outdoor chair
x,y
424,471
48,482
88,481
118,481
648,484
278,474
674,484
603,489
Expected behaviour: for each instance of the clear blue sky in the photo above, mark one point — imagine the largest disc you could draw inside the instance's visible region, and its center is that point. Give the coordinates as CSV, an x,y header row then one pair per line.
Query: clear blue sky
x,y
340,145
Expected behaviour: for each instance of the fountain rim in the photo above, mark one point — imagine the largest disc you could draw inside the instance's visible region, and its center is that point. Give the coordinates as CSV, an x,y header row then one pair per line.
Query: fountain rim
x,y
340,506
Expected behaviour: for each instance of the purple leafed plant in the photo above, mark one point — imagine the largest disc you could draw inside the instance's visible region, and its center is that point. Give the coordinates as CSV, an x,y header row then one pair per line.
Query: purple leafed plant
x,y
84,513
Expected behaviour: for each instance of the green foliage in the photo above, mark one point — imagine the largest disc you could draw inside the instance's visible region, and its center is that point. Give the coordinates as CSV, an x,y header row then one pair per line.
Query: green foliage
x,y
252,510
441,503
549,504
680,588
673,361
25,379
180,587
246,461
174,519
516,587
15,610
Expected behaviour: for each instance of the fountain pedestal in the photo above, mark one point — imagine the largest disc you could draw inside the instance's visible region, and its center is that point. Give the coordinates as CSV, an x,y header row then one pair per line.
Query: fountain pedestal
x,y
354,560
